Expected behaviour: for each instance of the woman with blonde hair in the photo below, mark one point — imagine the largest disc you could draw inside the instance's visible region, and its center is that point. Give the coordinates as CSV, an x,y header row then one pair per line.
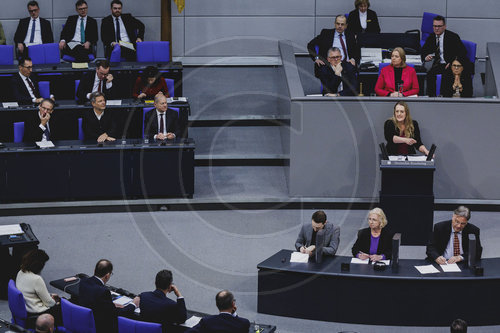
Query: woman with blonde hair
x,y
398,79
374,242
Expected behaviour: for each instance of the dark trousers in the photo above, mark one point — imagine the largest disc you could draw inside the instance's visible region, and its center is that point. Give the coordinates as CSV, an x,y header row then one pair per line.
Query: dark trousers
x,y
431,78
80,53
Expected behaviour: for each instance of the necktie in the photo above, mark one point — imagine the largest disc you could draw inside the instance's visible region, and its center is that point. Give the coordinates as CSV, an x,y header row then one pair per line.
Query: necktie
x,y
162,128
32,87
343,47
456,245
100,86
47,132
82,31
438,51
32,37
118,34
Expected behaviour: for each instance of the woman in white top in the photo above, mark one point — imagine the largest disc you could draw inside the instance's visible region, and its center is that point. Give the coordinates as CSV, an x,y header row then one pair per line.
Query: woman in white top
x,y
36,296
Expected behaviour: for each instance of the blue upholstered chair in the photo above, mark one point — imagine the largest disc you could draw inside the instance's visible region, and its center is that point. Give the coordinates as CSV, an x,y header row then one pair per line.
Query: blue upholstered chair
x,y
77,319
153,51
44,53
438,84
17,305
426,27
170,86
471,48
18,131
44,87
6,54
144,111
116,54
126,325
77,83
80,129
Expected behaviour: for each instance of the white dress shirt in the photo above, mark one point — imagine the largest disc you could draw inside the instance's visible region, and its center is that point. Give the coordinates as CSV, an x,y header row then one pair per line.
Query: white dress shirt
x,y
78,37
441,47
362,19
38,32
95,87
123,31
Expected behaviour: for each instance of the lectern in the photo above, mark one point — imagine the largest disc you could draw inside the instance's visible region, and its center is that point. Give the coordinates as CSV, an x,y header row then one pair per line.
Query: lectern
x,y
407,198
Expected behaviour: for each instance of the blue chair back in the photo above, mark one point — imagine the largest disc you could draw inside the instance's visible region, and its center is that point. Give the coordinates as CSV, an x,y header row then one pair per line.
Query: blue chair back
x,y
116,54
438,84
471,48
77,83
153,51
6,54
144,111
16,304
77,319
44,53
426,27
18,131
176,110
126,325
170,86
80,129
44,87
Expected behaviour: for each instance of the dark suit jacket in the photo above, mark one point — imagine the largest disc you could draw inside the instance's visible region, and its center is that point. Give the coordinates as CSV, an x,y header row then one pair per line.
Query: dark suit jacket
x,y
222,323
331,81
325,40
390,131
151,123
441,236
364,240
87,83
386,83
156,307
331,239
22,30
354,25
33,132
132,25
94,295
452,46
70,26
19,90
93,128
447,84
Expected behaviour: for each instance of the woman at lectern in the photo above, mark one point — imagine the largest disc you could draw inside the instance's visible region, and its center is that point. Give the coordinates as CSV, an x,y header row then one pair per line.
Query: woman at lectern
x,y
402,133
375,242
36,296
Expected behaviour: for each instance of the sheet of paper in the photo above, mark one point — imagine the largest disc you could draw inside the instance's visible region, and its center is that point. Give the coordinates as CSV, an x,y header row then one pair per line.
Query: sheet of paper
x,y
359,261
191,322
450,268
137,310
114,102
122,300
387,262
417,158
396,158
427,269
299,257
45,144
80,65
176,99
10,105
127,45
10,229
72,44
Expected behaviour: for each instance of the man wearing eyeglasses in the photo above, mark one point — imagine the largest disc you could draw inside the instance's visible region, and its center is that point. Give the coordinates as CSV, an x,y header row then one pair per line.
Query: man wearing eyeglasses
x,y
24,86
32,30
42,125
338,77
79,34
439,50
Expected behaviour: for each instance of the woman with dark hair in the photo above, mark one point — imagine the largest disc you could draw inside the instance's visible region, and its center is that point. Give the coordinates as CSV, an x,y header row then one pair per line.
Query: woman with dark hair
x,y
31,284
362,19
149,84
457,79
402,133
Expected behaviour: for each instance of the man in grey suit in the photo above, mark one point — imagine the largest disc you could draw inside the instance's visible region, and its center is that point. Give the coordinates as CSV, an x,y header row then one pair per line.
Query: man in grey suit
x,y
306,241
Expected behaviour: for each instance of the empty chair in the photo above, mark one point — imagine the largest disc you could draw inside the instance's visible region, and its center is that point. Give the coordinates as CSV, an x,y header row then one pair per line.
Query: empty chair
x,y
44,53
18,134
116,54
17,306
170,87
153,51
77,83
6,54
77,319
44,87
426,27
126,325
471,48
438,84
80,130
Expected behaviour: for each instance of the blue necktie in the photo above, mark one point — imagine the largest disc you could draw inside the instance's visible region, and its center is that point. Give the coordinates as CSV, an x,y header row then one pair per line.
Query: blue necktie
x,y
47,132
32,37
117,30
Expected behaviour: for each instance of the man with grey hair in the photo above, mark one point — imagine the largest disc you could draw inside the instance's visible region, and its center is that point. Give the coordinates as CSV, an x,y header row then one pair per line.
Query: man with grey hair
x,y
98,125
44,323
338,77
161,123
449,242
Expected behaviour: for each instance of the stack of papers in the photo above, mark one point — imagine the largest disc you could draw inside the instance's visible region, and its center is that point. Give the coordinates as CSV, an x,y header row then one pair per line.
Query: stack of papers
x,y
369,54
176,99
450,268
299,257
414,59
359,261
191,322
427,269
45,144
10,229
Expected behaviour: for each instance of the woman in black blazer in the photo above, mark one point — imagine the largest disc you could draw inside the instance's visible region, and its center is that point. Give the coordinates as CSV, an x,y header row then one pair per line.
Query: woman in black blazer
x,y
374,243
362,19
402,133
457,79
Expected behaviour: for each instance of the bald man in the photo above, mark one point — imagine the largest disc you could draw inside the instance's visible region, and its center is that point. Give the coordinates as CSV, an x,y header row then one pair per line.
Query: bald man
x,y
44,323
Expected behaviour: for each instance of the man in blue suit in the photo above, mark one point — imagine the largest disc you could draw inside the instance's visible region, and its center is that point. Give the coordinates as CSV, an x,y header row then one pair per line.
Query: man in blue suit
x,y
227,320
158,308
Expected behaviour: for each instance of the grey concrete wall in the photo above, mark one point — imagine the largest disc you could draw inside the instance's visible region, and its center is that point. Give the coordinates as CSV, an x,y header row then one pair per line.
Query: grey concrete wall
x,y
243,27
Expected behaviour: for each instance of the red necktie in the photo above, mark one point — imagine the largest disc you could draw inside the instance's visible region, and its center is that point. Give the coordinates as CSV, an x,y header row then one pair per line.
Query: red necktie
x,y
343,47
456,245
100,86
32,87
161,123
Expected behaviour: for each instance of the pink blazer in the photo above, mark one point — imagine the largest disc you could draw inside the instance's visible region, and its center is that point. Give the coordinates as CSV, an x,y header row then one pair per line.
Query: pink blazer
x,y
386,85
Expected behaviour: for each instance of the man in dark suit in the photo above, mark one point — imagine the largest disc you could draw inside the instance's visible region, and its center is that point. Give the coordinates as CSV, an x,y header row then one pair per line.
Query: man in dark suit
x,y
156,307
93,294
41,125
337,37
79,34
338,77
121,27
97,124
24,86
99,81
306,241
449,242
32,30
226,321
161,122
439,50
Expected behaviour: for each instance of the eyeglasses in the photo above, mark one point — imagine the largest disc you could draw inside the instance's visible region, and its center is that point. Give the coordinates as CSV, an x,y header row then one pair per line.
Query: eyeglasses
x,y
456,66
335,57
27,67
46,109
83,8
33,10
438,26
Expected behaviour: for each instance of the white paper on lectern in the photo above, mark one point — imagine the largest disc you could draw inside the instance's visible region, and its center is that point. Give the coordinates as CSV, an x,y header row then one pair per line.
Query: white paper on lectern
x,y
387,262
191,322
427,269
45,144
359,261
419,158
396,158
447,268
10,229
299,257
